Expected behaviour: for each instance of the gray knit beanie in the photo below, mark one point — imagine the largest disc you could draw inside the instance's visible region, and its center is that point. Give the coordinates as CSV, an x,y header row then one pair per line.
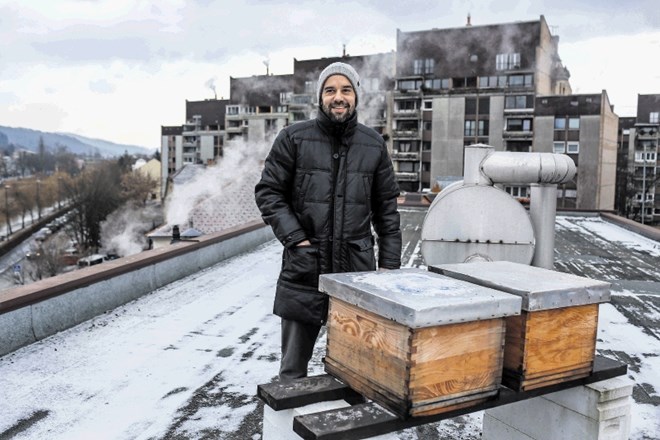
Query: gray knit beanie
x,y
339,69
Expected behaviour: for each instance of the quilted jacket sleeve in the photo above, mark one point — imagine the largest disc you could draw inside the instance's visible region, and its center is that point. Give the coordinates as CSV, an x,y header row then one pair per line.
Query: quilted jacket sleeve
x,y
273,192
385,218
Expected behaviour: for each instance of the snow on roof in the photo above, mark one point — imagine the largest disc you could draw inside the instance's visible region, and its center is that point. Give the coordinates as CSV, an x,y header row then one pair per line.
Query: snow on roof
x,y
185,360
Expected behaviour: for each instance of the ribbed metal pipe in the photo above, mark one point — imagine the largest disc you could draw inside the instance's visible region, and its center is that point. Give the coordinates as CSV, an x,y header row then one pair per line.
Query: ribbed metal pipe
x,y
512,168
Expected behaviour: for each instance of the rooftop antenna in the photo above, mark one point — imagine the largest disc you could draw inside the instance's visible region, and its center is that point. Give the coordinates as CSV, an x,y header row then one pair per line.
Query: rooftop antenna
x,y
343,52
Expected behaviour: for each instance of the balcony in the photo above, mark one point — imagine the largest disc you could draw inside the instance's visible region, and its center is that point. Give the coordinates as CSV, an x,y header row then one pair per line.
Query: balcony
x,y
518,135
407,114
300,101
405,134
407,177
647,133
236,129
407,155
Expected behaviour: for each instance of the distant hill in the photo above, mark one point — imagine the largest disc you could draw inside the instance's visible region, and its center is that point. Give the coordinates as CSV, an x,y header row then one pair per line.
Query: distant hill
x,y
29,139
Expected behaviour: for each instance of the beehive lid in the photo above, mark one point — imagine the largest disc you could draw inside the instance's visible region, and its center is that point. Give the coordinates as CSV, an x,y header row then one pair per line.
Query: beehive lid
x,y
418,298
540,289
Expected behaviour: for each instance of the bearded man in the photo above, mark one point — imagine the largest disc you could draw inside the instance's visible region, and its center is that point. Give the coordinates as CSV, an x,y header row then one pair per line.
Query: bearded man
x,y
325,183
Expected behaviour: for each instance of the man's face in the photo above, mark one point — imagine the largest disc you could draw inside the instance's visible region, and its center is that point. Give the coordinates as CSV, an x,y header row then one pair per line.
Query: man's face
x,y
338,98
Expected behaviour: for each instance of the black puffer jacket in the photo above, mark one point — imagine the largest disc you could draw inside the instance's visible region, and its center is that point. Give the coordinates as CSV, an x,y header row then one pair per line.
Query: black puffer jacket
x,y
328,183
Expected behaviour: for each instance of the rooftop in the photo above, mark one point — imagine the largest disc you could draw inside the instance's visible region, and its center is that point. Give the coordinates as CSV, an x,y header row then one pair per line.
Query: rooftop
x,y
184,361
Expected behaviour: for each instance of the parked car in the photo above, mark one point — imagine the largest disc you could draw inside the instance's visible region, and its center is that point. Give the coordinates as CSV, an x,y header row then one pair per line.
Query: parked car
x,y
92,260
42,234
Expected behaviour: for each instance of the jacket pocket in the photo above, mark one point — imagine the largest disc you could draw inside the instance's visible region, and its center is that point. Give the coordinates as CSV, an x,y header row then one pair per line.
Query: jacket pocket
x,y
361,254
300,265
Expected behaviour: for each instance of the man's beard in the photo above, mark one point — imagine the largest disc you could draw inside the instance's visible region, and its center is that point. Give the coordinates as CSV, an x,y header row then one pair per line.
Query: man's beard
x,y
338,118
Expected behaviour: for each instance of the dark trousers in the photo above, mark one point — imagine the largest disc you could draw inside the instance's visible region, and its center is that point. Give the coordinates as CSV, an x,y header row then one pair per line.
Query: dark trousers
x,y
297,347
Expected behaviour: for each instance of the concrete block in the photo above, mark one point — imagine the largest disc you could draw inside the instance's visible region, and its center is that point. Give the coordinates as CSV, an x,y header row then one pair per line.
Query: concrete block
x,y
498,430
597,412
585,400
15,330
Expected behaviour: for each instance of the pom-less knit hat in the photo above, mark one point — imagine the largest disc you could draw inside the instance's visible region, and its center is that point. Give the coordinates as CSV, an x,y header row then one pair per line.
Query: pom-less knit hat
x,y
339,69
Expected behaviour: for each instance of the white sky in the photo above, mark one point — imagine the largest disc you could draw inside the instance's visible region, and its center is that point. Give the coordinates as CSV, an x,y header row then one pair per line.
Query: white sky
x,y
119,69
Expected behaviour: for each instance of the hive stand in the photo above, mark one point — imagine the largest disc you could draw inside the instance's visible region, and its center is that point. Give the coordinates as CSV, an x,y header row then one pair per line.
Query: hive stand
x,y
292,409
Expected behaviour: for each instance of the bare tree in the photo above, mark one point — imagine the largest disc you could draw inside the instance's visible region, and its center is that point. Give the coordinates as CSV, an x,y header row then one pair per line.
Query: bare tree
x,y
25,200
46,260
94,194
137,186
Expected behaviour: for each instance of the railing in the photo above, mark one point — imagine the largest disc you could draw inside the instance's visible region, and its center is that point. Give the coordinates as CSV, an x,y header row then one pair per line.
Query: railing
x,y
405,133
407,155
407,177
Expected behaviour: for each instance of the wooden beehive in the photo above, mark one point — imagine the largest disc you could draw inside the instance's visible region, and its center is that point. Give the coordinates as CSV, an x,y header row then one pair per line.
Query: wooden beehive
x,y
553,340
416,342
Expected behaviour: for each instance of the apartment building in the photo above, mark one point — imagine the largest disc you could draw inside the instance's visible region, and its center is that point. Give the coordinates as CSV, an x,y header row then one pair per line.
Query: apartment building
x,y
473,84
643,199
257,108
502,85
199,140
624,180
585,128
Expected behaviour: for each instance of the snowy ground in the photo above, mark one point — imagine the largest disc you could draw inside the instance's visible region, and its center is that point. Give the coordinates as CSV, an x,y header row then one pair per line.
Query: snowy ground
x,y
184,361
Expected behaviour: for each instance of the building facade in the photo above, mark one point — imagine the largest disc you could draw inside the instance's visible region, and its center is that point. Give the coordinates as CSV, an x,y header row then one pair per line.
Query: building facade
x,y
585,128
502,85
460,86
640,163
200,140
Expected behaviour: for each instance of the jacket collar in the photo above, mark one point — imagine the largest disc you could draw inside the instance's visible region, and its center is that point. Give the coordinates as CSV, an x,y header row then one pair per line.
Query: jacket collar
x,y
337,129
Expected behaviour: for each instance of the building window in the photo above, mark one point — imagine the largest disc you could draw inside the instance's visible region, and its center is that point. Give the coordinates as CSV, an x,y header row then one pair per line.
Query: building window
x,y
470,128
437,84
560,123
428,105
506,61
517,191
427,125
310,87
518,102
519,124
573,123
486,82
559,147
654,117
572,147
423,66
642,156
406,106
520,80
409,84
232,109
285,97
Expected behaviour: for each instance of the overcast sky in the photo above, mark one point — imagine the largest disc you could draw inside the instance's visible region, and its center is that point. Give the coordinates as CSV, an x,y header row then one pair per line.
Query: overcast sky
x,y
119,69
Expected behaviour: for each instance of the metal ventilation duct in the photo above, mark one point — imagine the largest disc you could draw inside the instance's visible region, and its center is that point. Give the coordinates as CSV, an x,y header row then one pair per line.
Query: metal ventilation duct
x,y
472,220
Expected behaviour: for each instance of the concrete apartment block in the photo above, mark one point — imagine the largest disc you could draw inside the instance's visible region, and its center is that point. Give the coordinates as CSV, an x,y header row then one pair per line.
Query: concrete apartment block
x,y
599,411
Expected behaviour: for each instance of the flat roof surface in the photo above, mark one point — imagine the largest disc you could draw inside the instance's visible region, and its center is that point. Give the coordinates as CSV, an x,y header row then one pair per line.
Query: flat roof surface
x,y
184,361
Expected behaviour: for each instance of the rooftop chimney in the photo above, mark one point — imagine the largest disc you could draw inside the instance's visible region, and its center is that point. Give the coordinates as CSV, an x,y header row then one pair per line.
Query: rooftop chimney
x,y
176,235
469,21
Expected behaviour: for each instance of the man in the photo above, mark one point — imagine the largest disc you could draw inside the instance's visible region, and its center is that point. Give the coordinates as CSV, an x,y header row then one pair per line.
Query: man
x,y
326,181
